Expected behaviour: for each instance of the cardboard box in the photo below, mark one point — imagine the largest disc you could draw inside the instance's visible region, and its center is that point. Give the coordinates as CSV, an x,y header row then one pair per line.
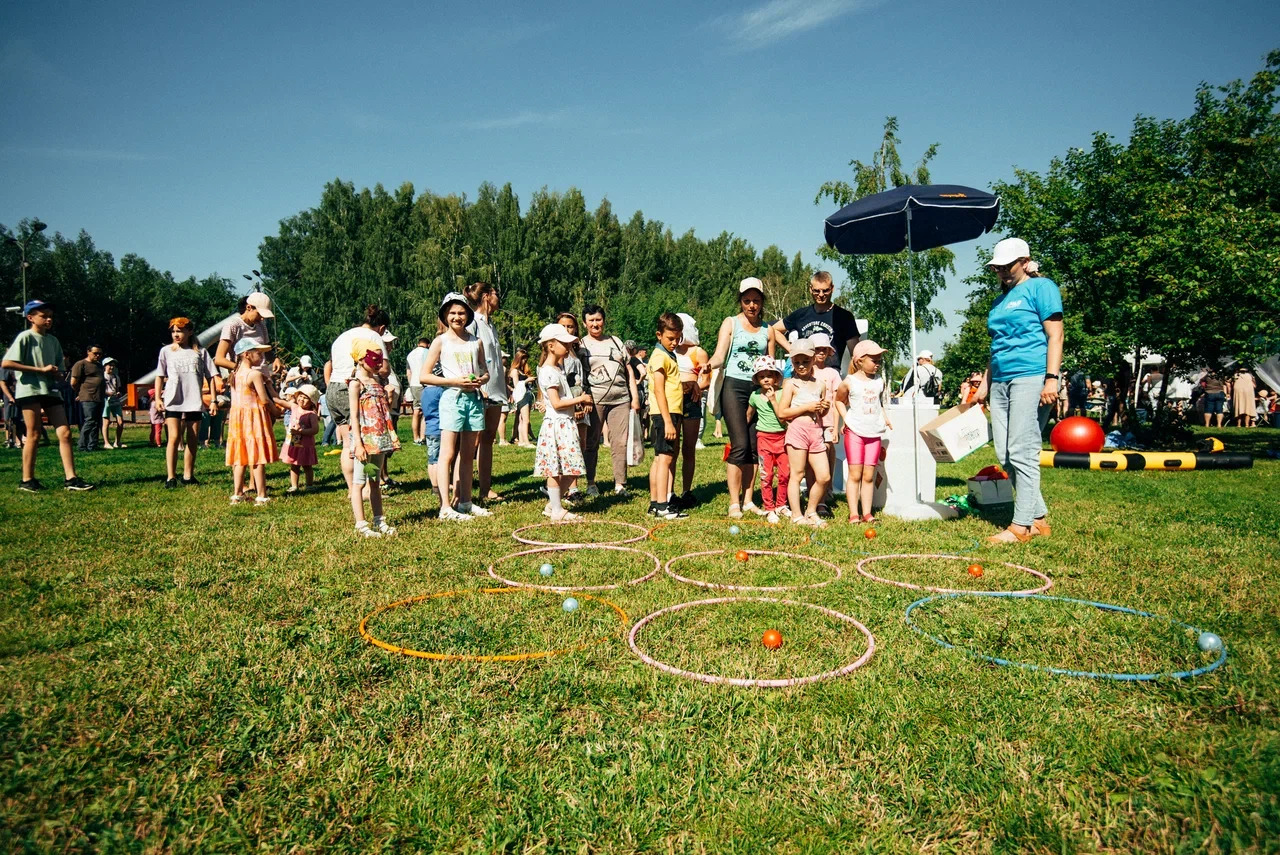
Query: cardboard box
x,y
991,492
957,433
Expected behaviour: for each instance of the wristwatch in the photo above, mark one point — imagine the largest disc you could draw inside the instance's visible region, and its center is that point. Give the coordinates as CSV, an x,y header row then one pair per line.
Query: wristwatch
x,y
1051,376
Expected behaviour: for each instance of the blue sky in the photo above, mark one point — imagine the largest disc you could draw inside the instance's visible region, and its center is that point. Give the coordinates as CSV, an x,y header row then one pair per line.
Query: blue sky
x,y
184,133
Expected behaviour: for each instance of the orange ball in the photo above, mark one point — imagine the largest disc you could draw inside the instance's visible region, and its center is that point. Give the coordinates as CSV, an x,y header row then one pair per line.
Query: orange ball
x,y
772,639
742,555
975,570
869,533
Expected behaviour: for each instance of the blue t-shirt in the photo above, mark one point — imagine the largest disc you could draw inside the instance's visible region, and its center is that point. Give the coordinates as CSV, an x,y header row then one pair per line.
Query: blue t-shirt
x,y
431,409
1019,346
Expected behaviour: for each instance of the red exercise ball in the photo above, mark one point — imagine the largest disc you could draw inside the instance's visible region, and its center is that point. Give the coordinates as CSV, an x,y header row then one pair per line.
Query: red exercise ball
x,y
1077,434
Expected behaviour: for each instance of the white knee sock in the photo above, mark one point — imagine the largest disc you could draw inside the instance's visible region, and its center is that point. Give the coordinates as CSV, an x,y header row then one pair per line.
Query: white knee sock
x,y
553,494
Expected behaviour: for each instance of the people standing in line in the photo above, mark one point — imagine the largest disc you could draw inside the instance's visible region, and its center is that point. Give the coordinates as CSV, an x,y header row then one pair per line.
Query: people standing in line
x,y
1243,392
612,386
559,454
484,301
666,401
370,436
1021,381
339,368
924,378
414,369
299,449
521,397
742,338
1215,396
251,444
35,357
86,380
803,404
113,398
771,436
861,404
820,316
182,370
461,358
695,380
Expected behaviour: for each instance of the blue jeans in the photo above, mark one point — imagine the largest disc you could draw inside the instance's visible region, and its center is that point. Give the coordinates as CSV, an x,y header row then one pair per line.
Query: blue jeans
x,y
1017,420
330,432
91,425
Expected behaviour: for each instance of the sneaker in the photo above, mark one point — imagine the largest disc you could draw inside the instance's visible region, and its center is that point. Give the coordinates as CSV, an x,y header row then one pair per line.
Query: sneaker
x,y
474,510
670,513
32,486
700,446
620,490
190,482
593,491
171,483
362,529
575,495
380,523
754,508
824,512
688,501
449,514
77,484
772,518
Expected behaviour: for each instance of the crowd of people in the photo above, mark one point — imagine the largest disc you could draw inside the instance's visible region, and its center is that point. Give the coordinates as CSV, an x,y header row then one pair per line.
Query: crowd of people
x,y
776,386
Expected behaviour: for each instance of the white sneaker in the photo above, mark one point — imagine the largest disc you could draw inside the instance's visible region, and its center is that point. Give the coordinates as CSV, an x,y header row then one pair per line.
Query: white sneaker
x,y
593,491
772,518
700,446
474,510
362,529
449,514
380,523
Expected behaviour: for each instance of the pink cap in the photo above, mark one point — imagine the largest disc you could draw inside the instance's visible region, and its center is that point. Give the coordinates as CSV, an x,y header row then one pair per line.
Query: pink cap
x,y
866,347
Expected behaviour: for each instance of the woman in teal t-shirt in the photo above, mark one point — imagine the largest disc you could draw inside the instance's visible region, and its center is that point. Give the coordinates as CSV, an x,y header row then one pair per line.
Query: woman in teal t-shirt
x,y
1022,380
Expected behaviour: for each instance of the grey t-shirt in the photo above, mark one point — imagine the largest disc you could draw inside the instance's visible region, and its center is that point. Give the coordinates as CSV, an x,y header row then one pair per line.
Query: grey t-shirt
x,y
605,363
235,329
185,371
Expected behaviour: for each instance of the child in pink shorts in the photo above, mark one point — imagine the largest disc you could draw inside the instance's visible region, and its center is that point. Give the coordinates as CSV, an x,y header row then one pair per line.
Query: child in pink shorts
x,y
804,402
860,402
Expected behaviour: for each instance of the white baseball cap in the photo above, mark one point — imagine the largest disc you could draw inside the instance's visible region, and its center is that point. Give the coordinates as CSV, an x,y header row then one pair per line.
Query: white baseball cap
x,y
262,303
925,354
556,332
1008,251
389,336
305,361
749,283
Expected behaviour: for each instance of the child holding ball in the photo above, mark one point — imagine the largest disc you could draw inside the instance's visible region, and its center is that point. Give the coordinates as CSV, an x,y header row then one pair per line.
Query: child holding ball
x,y
860,402
559,454
370,438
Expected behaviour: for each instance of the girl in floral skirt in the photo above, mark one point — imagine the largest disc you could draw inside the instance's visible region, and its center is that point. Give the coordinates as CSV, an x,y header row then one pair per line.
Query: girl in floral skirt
x,y
371,436
559,454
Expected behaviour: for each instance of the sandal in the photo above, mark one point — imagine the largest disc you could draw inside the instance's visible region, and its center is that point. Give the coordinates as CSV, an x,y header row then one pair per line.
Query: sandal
x,y
235,500
1009,535
1040,527
735,512
566,517
262,500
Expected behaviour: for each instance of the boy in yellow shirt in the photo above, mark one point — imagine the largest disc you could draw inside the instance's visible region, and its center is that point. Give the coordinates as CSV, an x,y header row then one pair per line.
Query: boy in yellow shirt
x,y
666,404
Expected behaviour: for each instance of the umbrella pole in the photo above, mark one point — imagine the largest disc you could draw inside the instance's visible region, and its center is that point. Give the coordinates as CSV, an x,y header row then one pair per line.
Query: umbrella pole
x,y
911,362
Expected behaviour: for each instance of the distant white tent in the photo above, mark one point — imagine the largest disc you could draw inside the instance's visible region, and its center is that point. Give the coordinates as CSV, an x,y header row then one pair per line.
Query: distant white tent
x,y
207,339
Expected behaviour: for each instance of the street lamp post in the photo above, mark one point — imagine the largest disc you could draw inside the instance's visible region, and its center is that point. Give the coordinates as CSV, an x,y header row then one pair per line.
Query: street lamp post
x,y
36,228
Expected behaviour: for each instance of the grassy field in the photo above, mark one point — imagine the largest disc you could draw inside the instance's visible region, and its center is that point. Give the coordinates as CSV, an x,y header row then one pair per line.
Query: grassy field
x,y
182,675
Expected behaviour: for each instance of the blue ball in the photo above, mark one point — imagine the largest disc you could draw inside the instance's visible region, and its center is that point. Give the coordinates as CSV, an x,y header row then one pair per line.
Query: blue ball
x,y
1209,643
546,570
734,530
570,605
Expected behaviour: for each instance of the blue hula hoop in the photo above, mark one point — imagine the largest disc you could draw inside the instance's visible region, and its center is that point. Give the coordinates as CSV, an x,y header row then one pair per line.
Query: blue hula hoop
x,y
1066,672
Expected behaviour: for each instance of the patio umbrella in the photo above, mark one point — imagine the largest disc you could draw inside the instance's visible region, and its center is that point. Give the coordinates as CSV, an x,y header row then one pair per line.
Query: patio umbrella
x,y
914,217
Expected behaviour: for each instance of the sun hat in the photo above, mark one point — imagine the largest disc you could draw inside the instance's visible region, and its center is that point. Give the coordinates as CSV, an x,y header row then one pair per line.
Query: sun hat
x,y
1008,251
925,354
362,347
750,282
289,392
245,345
867,347
801,347
310,391
765,365
262,303
821,340
690,332
556,332
451,298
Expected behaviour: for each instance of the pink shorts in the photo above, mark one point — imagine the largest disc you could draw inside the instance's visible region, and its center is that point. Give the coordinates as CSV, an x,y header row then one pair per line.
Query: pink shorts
x,y
806,434
861,450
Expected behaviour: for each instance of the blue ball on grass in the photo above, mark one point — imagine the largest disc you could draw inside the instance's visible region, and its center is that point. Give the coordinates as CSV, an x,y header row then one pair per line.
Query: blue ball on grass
x,y
734,530
570,605
1209,642
546,569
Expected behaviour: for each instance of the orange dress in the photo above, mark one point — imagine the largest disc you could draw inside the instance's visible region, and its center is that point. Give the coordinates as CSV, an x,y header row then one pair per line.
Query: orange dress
x,y
250,439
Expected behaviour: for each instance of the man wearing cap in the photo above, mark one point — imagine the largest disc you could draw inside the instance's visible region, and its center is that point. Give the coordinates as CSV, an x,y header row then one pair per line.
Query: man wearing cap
x,y
250,323
924,378
35,357
822,316
86,379
342,365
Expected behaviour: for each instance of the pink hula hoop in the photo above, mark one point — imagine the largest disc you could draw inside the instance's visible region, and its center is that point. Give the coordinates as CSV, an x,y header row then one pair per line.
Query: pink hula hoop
x,y
746,682
644,533
768,589
560,589
1048,583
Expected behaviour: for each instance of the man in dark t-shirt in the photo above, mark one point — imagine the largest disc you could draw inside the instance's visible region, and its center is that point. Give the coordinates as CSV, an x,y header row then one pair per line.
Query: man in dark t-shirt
x,y
821,316
87,379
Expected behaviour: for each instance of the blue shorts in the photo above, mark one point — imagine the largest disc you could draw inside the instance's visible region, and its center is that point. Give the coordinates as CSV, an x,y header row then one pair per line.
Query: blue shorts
x,y
461,411
1214,402
433,449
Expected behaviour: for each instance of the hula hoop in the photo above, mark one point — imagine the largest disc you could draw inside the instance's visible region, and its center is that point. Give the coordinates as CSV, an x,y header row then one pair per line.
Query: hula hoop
x,y
779,528
1066,672
746,682
469,657
973,547
644,532
1048,583
564,589
774,588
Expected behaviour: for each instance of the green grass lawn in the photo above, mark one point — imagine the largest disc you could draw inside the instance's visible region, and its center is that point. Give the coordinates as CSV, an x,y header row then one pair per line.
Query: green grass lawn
x,y
183,675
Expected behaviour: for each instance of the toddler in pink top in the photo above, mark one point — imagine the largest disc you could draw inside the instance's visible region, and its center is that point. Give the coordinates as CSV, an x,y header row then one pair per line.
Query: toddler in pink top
x,y
299,449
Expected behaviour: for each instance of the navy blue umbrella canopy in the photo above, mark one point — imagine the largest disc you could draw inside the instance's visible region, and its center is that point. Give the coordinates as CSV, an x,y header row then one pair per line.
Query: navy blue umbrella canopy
x,y
940,214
